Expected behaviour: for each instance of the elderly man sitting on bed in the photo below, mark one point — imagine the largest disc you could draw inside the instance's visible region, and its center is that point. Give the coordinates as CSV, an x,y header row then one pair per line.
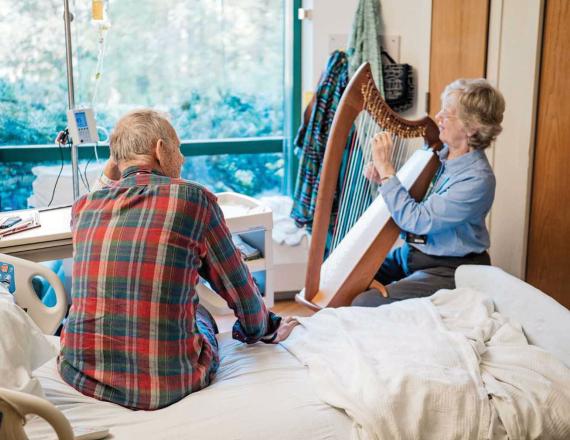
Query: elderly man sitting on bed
x,y
136,334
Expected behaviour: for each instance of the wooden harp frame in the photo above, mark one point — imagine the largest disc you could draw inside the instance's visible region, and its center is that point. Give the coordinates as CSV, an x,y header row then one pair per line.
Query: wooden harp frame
x,y
360,94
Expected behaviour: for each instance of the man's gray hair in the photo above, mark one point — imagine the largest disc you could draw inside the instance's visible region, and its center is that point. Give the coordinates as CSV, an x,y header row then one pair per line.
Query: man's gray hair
x,y
137,133
480,106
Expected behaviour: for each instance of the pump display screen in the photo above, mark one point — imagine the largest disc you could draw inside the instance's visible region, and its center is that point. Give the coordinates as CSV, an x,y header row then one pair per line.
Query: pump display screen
x,y
81,120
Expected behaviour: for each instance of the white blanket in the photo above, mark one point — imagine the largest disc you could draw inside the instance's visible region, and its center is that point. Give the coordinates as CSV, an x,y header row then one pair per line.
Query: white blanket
x,y
444,367
23,347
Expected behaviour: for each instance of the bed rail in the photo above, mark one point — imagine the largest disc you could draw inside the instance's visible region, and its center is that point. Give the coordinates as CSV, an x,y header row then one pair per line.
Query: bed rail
x,y
14,406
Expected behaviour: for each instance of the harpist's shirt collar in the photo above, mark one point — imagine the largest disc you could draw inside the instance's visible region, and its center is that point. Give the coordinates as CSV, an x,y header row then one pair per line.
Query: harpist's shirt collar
x,y
460,163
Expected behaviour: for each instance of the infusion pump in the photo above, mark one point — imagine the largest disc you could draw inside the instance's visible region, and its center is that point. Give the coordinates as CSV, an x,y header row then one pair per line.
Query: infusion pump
x,y
82,127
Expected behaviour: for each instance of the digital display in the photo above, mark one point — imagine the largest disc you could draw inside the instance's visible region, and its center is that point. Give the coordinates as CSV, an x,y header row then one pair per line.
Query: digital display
x,y
81,120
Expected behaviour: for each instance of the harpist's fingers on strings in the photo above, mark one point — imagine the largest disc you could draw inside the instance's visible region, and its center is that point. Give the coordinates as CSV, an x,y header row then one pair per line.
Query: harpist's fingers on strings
x,y
370,172
382,150
367,170
383,139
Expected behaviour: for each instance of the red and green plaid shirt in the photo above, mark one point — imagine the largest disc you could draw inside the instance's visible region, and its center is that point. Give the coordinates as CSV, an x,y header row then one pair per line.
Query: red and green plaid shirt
x,y
139,246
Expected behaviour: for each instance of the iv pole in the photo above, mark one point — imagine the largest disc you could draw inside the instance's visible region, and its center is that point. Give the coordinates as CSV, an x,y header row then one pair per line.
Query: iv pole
x,y
67,17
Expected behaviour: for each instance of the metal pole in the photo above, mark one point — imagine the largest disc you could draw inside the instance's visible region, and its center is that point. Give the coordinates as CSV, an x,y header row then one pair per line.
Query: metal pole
x,y
70,94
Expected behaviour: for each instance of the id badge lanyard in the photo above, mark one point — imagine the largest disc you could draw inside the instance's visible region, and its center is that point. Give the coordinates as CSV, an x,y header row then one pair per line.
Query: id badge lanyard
x,y
431,187
422,239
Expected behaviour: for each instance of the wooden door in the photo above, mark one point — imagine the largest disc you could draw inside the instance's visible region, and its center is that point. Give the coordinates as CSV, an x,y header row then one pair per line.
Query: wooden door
x,y
548,255
459,33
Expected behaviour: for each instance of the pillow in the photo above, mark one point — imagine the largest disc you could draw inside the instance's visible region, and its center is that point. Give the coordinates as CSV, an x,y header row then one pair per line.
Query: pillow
x,y
23,347
545,322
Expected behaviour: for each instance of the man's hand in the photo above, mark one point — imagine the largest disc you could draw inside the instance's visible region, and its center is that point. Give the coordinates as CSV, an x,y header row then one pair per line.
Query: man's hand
x,y
62,137
285,329
381,153
111,170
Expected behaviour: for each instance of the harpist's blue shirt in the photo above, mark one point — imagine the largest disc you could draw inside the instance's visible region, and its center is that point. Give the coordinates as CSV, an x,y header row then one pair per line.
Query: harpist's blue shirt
x,y
453,215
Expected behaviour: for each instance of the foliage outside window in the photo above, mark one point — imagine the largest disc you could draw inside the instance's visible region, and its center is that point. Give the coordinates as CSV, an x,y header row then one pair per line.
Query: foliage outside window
x,y
215,66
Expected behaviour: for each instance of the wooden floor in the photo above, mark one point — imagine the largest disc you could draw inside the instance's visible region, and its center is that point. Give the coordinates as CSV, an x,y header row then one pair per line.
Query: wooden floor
x,y
282,308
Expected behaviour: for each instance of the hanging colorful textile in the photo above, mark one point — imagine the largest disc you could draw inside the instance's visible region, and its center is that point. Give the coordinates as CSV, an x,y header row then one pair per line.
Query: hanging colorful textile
x,y
365,44
312,138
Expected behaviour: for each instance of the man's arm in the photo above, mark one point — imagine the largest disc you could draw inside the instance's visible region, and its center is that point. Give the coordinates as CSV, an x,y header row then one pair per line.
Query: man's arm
x,y
111,171
224,269
110,175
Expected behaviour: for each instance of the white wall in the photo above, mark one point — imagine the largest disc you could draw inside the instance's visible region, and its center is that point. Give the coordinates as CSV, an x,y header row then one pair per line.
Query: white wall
x,y
409,19
513,66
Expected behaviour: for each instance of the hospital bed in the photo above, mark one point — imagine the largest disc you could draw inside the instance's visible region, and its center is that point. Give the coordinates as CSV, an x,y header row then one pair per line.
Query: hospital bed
x,y
260,391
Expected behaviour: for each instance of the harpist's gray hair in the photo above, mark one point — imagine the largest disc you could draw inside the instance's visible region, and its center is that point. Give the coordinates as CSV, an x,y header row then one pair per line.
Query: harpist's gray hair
x,y
480,107
137,133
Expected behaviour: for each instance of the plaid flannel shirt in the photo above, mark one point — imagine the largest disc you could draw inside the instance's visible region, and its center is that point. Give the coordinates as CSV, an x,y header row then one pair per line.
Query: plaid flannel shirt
x,y
139,246
311,140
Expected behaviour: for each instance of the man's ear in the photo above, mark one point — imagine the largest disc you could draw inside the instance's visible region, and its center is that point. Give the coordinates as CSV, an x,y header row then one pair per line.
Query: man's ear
x,y
160,152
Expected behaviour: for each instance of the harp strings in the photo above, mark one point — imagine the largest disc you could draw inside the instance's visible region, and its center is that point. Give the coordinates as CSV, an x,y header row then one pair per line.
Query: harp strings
x,y
351,203
357,191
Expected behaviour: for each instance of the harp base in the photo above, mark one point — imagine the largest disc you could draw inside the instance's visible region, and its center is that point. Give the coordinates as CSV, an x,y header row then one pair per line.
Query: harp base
x,y
320,300
313,304
380,287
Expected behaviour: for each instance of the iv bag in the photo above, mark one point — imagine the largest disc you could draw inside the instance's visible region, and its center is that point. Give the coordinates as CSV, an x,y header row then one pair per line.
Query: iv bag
x,y
97,10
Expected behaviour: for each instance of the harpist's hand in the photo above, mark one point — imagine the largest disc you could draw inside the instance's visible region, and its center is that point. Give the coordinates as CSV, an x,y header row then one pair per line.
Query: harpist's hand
x,y
285,329
370,173
382,153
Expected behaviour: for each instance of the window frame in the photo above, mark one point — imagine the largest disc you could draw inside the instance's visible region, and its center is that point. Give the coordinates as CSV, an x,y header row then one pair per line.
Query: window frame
x,y
255,145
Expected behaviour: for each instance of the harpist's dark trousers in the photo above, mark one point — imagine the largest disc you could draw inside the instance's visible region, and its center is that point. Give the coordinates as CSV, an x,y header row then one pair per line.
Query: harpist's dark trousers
x,y
409,273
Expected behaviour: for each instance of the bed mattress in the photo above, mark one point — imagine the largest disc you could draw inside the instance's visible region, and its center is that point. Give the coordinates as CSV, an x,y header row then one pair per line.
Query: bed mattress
x,y
260,392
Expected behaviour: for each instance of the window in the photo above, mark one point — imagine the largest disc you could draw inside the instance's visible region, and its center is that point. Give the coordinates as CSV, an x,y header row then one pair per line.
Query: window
x,y
216,66
33,94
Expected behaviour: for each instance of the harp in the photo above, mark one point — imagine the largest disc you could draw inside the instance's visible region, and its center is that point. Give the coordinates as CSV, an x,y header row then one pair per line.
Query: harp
x,y
363,231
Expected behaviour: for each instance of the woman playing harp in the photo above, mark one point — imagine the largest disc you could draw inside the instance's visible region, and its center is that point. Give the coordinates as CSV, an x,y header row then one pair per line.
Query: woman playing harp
x,y
447,228
352,225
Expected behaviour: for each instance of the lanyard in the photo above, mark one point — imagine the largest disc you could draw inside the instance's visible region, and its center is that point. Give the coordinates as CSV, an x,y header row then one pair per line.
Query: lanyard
x,y
431,186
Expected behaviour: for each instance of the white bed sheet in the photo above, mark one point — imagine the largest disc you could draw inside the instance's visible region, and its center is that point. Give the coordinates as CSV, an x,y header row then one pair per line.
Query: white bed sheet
x,y
260,392
545,322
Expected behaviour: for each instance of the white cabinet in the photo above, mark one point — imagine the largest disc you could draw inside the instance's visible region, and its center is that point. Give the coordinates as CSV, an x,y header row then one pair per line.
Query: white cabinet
x,y
253,222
